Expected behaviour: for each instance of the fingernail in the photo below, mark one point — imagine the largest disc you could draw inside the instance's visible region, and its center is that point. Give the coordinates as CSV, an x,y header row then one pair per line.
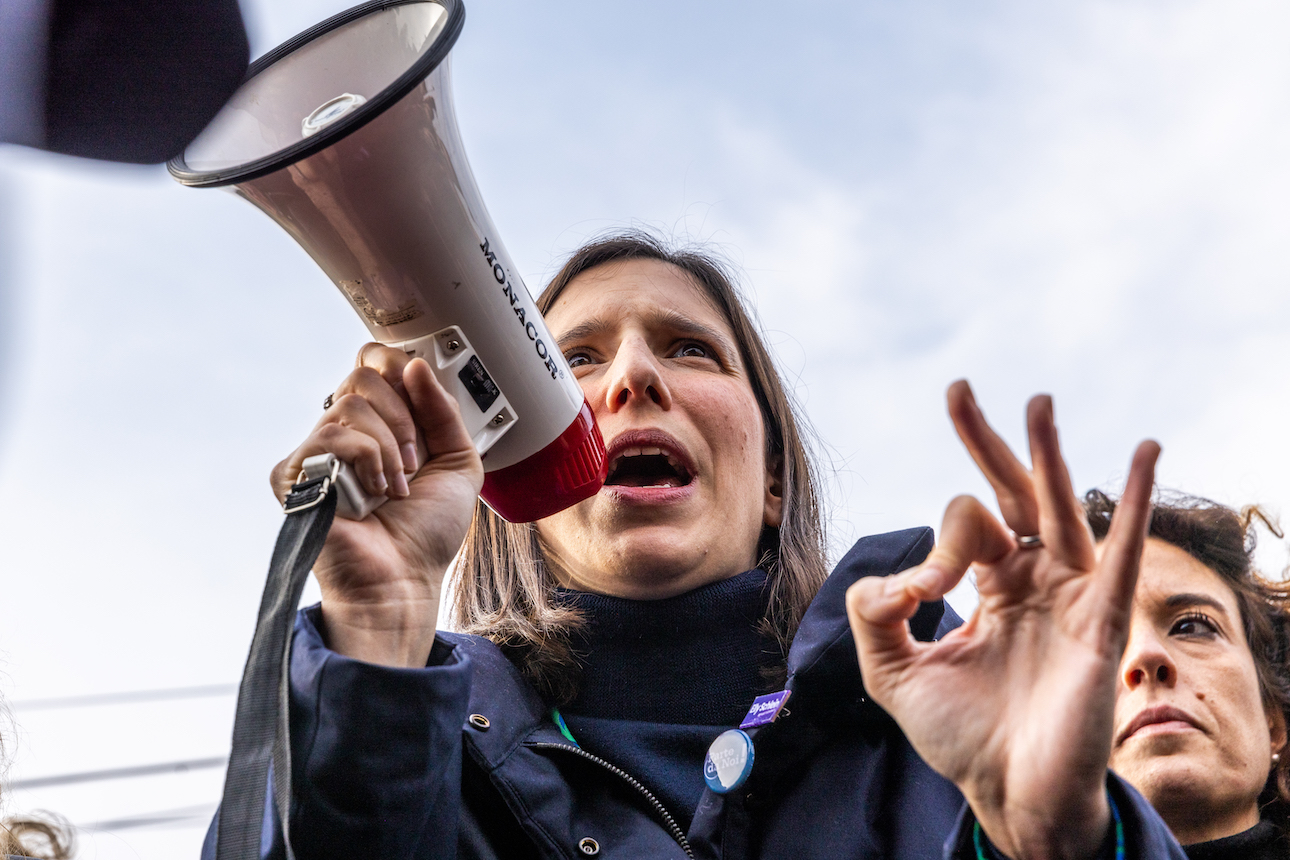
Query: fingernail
x,y
400,485
379,484
409,452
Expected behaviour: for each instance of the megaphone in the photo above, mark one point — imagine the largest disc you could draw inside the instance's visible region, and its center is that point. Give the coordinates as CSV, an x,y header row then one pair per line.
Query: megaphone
x,y
346,136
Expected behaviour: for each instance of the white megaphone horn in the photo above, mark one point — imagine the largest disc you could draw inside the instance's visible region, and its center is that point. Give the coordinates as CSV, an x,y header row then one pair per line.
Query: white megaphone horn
x,y
346,136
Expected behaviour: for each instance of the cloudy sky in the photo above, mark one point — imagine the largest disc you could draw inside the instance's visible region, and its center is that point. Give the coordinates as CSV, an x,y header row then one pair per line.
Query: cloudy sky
x,y
1087,199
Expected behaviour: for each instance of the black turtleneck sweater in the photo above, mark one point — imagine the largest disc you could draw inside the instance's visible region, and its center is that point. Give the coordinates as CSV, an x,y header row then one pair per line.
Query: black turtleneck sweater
x,y
1263,841
662,678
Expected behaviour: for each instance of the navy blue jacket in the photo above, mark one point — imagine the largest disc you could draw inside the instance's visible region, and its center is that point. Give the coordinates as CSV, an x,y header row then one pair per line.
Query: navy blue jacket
x,y
396,763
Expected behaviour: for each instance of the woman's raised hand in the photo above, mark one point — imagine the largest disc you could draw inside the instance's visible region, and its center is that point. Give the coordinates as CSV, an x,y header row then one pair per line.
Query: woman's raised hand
x,y
403,435
1016,706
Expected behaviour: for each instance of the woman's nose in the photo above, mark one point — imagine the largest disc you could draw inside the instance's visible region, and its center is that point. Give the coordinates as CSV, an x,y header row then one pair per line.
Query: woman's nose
x,y
1146,660
635,376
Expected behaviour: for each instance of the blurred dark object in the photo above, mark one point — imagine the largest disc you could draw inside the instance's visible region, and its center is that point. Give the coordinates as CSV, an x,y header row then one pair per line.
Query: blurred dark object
x,y
120,80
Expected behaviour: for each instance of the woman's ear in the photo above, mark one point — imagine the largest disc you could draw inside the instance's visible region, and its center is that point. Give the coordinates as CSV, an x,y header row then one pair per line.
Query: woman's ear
x,y
1277,729
773,514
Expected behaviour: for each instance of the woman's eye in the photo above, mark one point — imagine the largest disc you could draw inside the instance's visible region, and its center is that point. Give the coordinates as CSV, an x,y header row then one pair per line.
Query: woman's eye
x,y
1194,624
577,359
693,350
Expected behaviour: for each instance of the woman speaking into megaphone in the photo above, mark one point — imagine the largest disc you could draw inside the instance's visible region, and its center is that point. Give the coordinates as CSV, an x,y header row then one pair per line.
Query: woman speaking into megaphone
x,y
661,666
666,669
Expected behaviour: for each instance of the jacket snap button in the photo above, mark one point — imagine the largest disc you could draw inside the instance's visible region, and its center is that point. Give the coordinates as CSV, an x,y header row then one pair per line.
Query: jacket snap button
x,y
479,721
589,846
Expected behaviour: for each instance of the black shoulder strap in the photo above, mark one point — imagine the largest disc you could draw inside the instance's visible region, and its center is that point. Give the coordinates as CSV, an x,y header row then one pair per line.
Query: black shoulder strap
x,y
260,728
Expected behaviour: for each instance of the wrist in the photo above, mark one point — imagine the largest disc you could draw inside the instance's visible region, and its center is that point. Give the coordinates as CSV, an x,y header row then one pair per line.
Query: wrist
x,y
1028,834
394,633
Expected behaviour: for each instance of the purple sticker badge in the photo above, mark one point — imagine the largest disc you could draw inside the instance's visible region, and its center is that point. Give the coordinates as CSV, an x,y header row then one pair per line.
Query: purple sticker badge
x,y
765,709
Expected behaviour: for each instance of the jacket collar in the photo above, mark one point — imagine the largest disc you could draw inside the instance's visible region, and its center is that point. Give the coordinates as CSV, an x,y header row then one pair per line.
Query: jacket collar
x,y
824,673
823,670
499,693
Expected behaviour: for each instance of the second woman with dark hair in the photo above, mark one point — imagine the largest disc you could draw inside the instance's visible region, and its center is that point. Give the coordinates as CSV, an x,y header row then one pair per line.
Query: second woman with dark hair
x,y
1204,690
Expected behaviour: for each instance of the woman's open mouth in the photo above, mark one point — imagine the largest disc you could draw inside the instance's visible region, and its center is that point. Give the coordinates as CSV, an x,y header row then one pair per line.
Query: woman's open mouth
x,y
647,467
648,460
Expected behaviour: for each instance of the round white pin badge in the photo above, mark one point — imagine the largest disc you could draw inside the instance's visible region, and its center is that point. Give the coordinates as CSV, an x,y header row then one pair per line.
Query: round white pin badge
x,y
729,761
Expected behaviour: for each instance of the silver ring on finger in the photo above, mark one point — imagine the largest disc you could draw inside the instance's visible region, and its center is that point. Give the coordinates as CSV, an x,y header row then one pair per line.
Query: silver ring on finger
x,y
330,399
1029,541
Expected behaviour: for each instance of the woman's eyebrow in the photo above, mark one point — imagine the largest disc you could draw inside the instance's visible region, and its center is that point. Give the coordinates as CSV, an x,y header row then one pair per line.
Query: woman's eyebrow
x,y
589,329
683,325
669,319
1189,599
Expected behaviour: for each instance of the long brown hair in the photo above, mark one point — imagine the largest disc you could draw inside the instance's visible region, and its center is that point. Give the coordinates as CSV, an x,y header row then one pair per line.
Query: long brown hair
x,y
503,589
1223,540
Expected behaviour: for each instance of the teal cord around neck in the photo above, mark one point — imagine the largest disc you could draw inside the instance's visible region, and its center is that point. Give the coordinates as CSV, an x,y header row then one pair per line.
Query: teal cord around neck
x,y
564,728
1115,814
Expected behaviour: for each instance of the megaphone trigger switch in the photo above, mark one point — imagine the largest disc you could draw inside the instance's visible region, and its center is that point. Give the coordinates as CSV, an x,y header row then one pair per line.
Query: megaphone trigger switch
x,y
480,385
485,411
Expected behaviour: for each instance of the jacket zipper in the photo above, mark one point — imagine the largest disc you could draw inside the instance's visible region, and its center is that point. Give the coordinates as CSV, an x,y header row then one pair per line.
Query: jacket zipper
x,y
658,807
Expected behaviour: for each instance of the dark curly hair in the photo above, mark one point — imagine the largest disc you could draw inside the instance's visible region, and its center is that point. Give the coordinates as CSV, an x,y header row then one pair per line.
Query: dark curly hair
x,y
1223,540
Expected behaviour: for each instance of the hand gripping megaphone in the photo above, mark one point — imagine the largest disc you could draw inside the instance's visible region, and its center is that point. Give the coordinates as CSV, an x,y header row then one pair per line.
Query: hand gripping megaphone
x,y
346,136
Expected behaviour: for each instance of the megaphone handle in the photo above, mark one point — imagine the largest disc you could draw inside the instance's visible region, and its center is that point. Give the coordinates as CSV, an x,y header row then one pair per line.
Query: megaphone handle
x,y
484,408
352,501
